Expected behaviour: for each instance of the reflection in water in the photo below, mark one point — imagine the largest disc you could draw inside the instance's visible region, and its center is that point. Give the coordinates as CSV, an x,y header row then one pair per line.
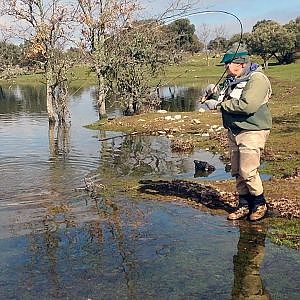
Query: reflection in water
x,y
175,98
30,99
59,140
248,283
110,213
70,258
149,156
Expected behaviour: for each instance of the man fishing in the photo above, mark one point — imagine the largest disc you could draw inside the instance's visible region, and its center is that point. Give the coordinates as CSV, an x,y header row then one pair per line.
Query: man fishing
x,y
243,101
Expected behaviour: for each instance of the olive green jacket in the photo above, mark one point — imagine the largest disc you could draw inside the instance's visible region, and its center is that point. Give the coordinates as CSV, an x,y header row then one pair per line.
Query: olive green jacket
x,y
245,105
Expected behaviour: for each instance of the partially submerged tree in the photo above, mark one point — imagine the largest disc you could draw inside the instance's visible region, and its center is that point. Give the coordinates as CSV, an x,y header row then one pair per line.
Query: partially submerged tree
x,y
125,54
136,57
45,26
100,21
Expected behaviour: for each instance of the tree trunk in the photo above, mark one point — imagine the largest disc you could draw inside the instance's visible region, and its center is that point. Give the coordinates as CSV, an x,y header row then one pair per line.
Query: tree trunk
x,y
129,111
101,105
101,96
207,57
50,108
63,112
51,131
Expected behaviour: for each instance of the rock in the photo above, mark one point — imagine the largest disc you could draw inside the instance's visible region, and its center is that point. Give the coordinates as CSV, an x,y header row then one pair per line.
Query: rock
x,y
161,111
227,167
203,166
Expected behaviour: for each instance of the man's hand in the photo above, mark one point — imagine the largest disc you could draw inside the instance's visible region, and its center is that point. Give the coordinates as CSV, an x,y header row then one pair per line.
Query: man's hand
x,y
212,104
210,93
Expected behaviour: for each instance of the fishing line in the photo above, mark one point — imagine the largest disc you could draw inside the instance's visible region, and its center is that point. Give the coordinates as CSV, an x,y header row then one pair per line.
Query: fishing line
x,y
176,17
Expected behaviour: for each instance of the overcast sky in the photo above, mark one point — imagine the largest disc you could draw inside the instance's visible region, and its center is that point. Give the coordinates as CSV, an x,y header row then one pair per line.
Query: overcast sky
x,y
249,12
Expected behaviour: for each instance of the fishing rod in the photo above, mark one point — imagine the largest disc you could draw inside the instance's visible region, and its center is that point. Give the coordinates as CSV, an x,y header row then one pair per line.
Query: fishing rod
x,y
176,17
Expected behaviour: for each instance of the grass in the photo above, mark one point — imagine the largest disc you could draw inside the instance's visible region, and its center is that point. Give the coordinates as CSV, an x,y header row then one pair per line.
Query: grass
x,y
193,71
79,76
284,232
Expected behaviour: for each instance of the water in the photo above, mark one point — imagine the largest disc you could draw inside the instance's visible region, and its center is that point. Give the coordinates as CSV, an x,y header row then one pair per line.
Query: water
x,y
57,242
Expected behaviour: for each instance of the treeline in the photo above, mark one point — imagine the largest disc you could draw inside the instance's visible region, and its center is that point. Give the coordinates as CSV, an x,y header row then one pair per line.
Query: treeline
x,y
267,39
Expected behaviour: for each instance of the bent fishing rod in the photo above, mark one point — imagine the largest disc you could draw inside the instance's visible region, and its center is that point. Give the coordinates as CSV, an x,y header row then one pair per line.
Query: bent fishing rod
x,y
193,13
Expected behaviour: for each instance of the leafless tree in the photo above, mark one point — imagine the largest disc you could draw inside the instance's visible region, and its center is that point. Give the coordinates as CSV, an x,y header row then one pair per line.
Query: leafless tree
x,y
204,33
45,27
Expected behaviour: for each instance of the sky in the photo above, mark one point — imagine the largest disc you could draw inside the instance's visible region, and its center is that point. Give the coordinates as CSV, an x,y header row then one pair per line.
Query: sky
x,y
248,11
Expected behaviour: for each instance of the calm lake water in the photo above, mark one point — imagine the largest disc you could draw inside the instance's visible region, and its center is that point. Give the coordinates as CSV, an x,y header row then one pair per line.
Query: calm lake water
x,y
57,242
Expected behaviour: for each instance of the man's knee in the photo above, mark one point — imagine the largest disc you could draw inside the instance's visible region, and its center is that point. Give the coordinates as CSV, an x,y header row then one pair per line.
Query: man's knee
x,y
249,163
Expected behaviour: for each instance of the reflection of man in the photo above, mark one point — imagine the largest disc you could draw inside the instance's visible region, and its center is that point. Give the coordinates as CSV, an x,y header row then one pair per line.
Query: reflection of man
x,y
246,263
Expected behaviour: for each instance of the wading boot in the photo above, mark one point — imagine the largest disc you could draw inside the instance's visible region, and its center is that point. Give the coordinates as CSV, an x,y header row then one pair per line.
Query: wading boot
x,y
242,210
258,207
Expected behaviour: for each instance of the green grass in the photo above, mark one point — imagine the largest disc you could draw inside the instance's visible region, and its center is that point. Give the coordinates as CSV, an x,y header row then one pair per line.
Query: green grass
x,y
193,71
78,76
285,232
289,72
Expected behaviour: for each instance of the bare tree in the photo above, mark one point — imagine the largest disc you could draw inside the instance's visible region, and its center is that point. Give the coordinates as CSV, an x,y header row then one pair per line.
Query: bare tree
x,y
45,26
204,33
220,34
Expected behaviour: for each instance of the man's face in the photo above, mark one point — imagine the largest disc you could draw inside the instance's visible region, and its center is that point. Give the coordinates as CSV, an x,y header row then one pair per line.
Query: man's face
x,y
235,69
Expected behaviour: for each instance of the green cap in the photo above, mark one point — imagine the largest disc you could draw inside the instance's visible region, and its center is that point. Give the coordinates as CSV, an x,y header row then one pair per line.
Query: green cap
x,y
240,56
